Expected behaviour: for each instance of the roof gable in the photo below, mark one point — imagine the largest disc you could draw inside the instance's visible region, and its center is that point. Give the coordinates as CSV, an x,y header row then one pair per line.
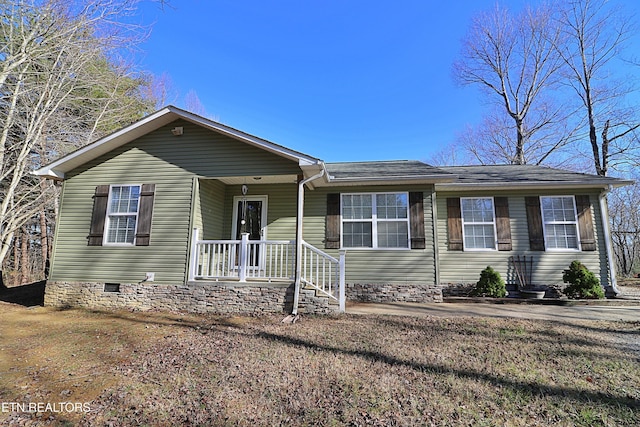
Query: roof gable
x,y
58,168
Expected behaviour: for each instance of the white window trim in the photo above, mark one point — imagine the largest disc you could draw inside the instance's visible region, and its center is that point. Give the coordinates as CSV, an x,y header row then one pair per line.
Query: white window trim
x,y
108,214
493,223
574,222
374,222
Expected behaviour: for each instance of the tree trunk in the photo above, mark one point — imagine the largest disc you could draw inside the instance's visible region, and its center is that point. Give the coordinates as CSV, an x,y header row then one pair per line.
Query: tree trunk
x,y
24,257
519,154
605,148
44,233
44,242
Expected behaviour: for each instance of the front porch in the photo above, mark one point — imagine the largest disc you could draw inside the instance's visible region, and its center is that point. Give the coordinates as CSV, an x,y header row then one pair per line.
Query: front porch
x,y
268,261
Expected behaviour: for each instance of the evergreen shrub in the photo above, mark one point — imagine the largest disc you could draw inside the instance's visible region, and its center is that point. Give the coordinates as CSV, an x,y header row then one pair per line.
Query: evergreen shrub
x,y
583,284
490,284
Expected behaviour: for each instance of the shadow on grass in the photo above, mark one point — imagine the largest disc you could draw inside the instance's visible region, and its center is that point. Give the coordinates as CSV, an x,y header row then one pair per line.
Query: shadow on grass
x,y
27,295
195,321
515,330
525,387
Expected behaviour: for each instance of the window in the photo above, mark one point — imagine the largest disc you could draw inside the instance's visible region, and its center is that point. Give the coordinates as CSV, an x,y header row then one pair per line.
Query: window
x,y
122,214
478,223
559,222
375,220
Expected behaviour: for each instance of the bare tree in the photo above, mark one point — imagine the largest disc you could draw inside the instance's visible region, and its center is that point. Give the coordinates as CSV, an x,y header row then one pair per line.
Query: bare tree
x,y
625,227
450,155
162,90
60,86
594,37
193,103
513,59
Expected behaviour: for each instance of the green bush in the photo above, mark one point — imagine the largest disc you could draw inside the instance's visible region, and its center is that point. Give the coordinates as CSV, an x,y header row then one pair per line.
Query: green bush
x,y
583,284
490,284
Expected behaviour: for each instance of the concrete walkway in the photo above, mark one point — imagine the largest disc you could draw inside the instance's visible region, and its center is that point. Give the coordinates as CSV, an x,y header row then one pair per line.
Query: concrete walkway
x,y
523,311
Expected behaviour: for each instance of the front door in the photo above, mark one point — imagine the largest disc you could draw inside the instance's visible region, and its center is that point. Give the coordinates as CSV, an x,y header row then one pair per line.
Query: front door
x,y
250,216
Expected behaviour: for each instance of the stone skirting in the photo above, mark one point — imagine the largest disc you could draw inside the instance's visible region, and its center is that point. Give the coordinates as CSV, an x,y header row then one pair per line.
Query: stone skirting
x,y
464,289
393,293
457,289
198,297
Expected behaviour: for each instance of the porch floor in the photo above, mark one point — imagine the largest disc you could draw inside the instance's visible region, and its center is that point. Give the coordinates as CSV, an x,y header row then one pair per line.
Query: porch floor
x,y
236,283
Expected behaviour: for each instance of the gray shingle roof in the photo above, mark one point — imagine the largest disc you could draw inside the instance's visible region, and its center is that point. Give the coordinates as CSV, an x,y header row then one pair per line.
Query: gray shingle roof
x,y
526,175
454,177
399,169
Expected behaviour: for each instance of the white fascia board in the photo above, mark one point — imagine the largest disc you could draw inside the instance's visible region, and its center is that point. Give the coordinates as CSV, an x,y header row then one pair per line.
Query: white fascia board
x,y
532,186
309,170
386,180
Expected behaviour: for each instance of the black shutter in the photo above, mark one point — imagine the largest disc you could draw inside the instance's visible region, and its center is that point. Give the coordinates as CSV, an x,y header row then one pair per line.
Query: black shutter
x,y
332,225
503,224
100,200
534,222
454,223
585,223
416,220
143,233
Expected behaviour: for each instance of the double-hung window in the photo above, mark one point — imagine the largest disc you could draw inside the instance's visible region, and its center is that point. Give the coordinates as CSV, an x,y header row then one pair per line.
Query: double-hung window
x,y
375,220
122,214
478,223
560,222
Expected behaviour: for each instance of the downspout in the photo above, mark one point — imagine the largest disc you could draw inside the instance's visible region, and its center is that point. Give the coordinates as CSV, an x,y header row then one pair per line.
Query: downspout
x,y
300,214
604,212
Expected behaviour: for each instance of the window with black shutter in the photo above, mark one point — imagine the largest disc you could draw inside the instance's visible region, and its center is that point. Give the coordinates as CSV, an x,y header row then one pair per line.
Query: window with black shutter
x,y
122,215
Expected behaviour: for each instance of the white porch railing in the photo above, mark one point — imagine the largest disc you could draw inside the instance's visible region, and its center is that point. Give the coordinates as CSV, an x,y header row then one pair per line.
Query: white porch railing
x,y
324,272
267,260
242,259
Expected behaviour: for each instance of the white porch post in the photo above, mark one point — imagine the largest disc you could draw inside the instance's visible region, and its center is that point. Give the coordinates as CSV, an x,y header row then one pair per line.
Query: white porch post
x,y
299,225
193,267
341,291
244,257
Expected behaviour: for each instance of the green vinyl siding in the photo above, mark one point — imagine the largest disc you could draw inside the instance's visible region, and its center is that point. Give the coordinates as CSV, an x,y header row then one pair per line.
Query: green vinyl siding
x,y
210,209
465,266
171,163
375,266
166,255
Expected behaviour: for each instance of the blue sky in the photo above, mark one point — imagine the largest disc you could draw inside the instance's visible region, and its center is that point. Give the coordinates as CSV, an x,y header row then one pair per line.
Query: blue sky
x,y
341,80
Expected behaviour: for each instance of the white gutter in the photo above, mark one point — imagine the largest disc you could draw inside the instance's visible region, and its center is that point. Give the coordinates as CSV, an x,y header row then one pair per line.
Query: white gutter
x,y
296,291
604,212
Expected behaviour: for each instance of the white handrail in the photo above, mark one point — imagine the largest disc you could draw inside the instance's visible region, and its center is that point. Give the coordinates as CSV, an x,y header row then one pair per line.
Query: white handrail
x,y
268,260
324,272
243,259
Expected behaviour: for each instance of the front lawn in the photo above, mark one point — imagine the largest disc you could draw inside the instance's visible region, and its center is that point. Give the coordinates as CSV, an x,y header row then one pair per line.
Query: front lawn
x,y
165,369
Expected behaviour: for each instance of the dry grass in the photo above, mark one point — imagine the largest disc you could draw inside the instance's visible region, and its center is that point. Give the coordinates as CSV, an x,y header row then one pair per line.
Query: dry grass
x,y
172,369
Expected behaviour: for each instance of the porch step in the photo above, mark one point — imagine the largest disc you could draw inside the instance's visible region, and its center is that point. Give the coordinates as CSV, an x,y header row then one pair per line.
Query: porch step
x,y
319,294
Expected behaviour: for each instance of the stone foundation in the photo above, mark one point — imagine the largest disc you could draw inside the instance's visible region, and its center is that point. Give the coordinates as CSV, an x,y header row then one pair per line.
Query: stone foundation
x,y
197,297
464,289
457,289
393,293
